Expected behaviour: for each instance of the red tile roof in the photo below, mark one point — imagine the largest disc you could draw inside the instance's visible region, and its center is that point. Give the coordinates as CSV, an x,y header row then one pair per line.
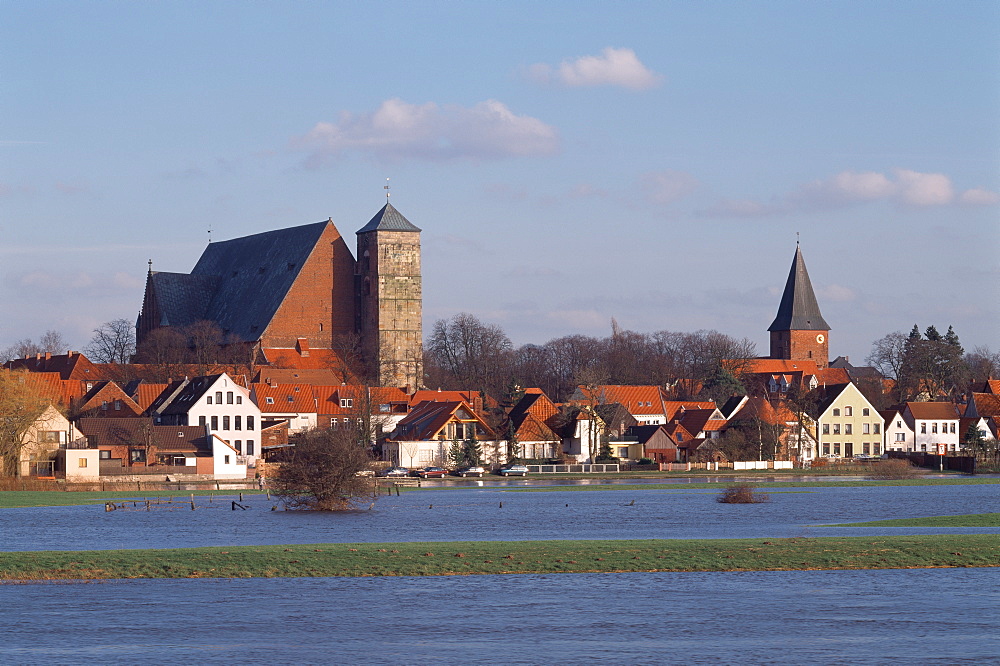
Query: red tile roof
x,y
932,410
285,398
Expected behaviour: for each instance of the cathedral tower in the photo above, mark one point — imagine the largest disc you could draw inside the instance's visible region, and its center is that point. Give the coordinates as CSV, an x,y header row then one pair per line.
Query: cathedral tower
x,y
389,305
799,332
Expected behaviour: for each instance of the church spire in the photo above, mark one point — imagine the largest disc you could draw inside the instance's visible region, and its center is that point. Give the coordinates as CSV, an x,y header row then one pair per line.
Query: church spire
x,y
799,310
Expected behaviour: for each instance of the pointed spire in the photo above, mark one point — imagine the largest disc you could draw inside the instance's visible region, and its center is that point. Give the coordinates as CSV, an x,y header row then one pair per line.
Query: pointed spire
x,y
388,219
798,310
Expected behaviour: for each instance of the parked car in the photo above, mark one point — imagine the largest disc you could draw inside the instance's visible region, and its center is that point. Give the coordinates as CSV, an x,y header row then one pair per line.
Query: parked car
x,y
395,471
430,472
513,470
475,470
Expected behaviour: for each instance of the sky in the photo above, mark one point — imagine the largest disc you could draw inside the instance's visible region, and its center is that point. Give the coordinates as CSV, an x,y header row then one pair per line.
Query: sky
x,y
568,162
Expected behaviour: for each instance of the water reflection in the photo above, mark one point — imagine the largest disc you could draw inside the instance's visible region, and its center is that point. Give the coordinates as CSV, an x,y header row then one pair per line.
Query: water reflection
x,y
891,616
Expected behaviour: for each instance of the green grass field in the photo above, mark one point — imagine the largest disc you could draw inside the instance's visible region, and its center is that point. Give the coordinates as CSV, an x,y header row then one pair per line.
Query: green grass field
x,y
499,557
967,520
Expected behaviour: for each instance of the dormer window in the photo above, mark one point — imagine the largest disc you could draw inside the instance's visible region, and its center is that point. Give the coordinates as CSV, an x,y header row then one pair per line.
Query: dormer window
x,y
346,402
269,400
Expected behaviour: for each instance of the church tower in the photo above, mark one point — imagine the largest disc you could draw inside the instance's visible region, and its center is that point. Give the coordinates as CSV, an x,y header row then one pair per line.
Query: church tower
x,y
799,332
389,298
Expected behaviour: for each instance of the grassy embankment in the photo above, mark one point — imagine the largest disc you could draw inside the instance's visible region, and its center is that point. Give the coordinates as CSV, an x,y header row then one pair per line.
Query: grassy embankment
x,y
517,557
967,520
19,499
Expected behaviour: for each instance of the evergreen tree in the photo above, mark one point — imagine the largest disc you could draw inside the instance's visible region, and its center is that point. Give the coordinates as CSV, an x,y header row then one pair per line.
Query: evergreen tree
x,y
932,334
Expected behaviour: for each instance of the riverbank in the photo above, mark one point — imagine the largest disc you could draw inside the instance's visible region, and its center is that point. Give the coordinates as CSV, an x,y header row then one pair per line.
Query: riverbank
x,y
509,557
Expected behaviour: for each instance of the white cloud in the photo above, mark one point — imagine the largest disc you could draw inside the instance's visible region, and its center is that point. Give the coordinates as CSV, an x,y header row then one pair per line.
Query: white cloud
x,y
397,129
665,187
613,67
979,197
924,189
903,187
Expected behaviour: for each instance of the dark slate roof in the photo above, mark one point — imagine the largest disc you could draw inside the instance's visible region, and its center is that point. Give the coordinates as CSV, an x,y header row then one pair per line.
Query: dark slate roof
x,y
190,394
388,219
182,299
253,274
798,310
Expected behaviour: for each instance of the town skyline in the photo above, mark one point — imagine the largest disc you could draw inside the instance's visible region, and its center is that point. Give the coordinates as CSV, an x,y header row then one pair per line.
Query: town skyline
x,y
651,163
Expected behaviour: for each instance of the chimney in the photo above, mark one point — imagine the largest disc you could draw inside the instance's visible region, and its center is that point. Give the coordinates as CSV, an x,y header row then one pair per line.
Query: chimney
x,y
48,355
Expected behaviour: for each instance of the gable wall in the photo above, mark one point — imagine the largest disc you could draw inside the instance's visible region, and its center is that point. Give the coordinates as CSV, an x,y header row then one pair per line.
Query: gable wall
x,y
320,302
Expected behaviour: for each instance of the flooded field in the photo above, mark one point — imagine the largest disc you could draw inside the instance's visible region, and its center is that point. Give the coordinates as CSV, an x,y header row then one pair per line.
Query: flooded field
x,y
493,513
826,617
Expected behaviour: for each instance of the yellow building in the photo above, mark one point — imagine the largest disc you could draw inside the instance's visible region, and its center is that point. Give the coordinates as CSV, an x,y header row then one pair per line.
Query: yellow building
x,y
848,425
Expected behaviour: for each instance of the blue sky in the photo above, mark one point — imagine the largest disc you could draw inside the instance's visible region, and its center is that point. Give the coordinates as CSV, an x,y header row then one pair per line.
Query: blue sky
x,y
569,162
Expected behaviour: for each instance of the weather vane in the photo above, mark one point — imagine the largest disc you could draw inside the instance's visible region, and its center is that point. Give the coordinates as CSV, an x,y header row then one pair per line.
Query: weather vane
x,y
386,188
796,238
210,234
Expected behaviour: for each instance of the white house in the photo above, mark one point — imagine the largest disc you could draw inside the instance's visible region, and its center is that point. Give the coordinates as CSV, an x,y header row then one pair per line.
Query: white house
x,y
898,433
294,403
935,426
219,404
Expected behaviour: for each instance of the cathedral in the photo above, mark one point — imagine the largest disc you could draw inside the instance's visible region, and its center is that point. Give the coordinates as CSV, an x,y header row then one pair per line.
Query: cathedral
x,y
299,291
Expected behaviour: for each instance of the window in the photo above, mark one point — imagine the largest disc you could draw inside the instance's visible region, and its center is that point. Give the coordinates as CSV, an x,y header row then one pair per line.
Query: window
x,y
865,411
848,429
836,448
82,462
865,429
104,405
215,423
952,429
137,455
836,428
878,428
826,428
848,411
876,449
900,436
836,412
239,400
237,423
866,448
209,399
923,428
384,409
118,405
226,460
225,423
201,421
250,423
899,424
50,436
238,445
218,397
934,428
291,399
346,402
826,449
269,400
229,397
249,447
333,423
104,454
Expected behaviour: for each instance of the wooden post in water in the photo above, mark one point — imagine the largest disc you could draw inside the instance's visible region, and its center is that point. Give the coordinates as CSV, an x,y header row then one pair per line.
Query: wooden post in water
x,y
192,501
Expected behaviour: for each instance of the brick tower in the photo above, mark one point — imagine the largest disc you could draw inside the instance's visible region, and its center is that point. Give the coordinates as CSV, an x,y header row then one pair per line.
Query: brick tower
x,y
389,298
799,332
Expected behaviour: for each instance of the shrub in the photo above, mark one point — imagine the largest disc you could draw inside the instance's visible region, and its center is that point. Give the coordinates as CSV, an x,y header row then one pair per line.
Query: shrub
x,y
645,461
742,493
894,468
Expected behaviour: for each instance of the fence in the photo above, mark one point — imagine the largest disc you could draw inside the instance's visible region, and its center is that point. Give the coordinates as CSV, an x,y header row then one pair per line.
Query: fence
x,y
582,468
965,464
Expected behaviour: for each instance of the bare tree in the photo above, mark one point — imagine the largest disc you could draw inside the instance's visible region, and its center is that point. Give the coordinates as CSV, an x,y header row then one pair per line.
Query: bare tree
x,y
888,356
51,342
20,406
113,342
474,354
326,470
